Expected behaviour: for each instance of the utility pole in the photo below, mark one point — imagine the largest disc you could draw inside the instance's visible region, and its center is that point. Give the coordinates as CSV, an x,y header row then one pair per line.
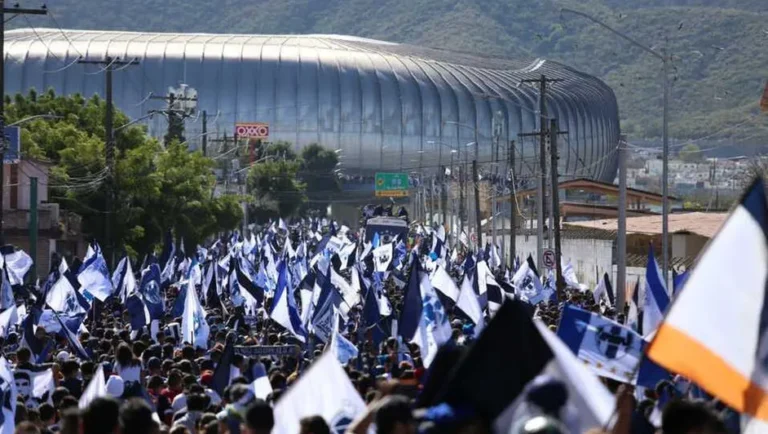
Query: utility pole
x,y
512,206
205,133
543,135
33,226
176,115
432,203
109,64
559,282
621,241
462,203
443,196
3,146
478,223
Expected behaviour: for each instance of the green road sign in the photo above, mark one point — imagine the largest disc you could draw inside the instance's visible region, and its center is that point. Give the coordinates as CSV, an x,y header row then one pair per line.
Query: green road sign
x,y
391,185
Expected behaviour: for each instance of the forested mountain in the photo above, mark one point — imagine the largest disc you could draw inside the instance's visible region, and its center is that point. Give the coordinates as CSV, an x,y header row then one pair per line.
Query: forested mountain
x,y
720,47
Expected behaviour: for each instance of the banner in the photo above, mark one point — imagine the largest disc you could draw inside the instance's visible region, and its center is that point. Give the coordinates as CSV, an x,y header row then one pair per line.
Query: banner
x,y
267,350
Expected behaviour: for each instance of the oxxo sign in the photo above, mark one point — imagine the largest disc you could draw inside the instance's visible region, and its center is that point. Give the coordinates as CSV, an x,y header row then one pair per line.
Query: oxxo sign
x,y
252,130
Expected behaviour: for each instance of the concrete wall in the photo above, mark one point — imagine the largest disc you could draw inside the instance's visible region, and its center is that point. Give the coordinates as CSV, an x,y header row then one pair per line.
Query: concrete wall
x,y
687,245
17,182
590,258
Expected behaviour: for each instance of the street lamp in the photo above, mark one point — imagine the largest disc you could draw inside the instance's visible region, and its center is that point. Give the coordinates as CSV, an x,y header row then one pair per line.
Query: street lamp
x,y
32,118
133,122
665,59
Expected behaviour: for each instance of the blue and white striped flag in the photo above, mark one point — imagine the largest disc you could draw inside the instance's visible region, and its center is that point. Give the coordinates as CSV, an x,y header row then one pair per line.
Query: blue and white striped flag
x,y
656,296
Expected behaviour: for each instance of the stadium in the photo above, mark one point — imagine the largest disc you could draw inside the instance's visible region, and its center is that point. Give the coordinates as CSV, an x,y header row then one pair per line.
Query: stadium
x,y
385,106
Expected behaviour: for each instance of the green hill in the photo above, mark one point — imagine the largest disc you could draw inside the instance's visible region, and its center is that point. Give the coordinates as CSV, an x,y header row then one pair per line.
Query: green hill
x,y
719,46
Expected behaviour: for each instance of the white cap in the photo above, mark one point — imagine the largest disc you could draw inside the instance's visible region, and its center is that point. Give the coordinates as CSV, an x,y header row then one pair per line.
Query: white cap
x,y
115,386
63,356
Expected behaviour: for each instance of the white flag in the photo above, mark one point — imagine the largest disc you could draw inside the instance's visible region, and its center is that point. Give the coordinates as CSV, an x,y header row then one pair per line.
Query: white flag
x,y
444,283
96,388
194,327
324,390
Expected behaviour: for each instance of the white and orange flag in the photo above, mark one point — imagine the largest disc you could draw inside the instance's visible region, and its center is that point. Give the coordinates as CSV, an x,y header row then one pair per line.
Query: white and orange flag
x,y
716,331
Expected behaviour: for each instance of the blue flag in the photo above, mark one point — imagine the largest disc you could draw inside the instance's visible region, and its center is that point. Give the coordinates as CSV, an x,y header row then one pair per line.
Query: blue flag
x,y
678,281
410,317
151,292
137,310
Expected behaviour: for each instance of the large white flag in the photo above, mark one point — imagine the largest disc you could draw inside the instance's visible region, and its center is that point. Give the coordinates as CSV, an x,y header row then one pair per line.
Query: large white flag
x,y
194,327
323,390
95,389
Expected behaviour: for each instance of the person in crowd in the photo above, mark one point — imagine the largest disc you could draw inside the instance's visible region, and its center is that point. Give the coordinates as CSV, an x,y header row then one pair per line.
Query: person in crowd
x,y
136,417
128,367
314,425
101,417
259,419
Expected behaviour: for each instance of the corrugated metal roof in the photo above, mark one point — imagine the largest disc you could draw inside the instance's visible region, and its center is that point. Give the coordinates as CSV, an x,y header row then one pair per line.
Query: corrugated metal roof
x,y
699,223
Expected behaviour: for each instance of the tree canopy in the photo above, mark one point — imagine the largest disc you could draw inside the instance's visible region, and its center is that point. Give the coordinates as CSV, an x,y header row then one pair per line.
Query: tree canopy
x,y
283,183
157,188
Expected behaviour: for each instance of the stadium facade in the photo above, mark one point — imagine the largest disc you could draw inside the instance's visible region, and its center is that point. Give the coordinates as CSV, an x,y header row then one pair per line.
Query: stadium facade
x,y
386,106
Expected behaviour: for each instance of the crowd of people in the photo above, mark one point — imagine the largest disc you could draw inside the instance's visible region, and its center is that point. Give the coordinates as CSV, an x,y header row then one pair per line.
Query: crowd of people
x,y
155,379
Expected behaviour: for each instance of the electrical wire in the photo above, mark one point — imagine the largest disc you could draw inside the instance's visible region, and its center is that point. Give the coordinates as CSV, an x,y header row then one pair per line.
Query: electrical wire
x,y
109,65
63,68
149,95
56,23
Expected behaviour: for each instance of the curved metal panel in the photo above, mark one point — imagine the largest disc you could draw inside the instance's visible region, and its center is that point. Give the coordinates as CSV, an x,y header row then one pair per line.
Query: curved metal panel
x,y
385,106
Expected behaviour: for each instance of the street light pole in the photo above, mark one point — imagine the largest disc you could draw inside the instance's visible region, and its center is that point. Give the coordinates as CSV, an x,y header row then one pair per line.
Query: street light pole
x,y
664,58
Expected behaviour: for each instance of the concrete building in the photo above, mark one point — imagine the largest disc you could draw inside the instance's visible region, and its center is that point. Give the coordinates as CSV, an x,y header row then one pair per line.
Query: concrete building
x,y
58,231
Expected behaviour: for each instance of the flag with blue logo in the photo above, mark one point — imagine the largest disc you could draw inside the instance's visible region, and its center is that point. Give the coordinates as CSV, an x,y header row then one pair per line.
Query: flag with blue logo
x,y
434,329
63,298
194,327
94,275
527,283
284,311
8,319
656,296
16,262
608,348
151,292
341,346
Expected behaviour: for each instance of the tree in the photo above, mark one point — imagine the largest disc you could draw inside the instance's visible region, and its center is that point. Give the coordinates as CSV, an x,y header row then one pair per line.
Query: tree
x,y
690,153
156,188
275,188
317,172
